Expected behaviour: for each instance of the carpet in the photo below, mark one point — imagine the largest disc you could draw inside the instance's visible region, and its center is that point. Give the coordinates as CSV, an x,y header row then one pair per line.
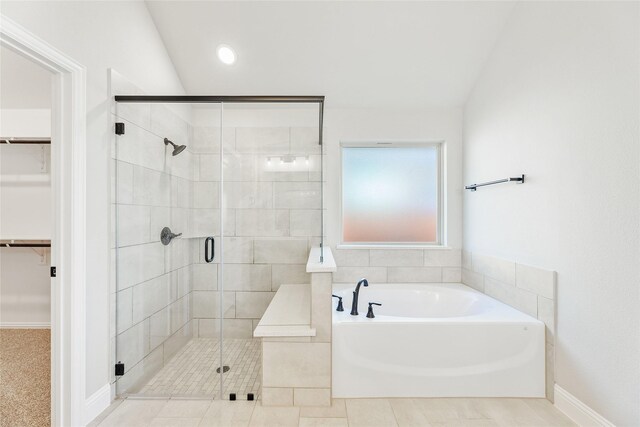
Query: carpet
x,y
25,377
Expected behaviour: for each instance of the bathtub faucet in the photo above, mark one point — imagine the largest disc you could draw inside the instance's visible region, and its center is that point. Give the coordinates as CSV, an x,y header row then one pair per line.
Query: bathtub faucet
x,y
354,304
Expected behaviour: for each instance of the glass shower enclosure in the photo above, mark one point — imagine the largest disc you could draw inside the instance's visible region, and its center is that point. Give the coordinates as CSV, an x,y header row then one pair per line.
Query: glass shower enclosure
x,y
218,201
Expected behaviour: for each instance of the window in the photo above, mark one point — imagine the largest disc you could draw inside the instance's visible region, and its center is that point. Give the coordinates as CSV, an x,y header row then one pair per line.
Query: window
x,y
390,193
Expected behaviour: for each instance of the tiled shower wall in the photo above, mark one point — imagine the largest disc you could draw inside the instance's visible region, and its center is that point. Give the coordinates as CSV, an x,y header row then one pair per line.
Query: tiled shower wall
x,y
272,217
398,265
529,289
151,286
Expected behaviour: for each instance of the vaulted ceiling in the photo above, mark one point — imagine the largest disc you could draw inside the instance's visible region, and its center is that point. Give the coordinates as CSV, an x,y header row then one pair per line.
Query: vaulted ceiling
x,y
359,54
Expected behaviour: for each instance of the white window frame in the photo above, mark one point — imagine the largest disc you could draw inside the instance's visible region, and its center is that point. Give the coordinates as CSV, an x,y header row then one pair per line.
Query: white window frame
x,y
440,238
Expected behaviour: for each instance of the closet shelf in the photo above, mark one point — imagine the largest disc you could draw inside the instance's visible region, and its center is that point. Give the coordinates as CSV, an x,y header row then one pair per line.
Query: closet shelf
x,y
36,178
17,243
10,140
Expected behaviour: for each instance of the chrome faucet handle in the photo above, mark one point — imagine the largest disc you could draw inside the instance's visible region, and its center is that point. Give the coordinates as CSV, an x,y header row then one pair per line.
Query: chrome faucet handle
x,y
340,307
370,314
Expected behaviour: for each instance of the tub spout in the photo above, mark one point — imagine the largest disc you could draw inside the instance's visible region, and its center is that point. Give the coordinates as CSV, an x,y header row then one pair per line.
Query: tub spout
x,y
354,304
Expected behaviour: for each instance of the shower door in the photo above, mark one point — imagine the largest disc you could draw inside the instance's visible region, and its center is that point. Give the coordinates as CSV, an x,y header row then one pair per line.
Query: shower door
x,y
270,217
166,206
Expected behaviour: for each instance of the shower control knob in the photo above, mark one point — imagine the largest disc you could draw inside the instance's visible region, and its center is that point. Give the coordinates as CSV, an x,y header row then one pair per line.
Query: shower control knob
x,y
166,236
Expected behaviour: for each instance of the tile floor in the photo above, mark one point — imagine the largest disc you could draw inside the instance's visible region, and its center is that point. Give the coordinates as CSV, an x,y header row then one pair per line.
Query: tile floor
x,y
192,371
343,412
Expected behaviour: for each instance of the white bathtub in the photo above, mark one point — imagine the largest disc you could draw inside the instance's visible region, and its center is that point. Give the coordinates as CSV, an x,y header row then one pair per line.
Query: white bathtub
x,y
435,340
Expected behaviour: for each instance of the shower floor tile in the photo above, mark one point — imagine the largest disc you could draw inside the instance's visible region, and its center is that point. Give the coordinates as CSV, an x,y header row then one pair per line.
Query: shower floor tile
x,y
192,371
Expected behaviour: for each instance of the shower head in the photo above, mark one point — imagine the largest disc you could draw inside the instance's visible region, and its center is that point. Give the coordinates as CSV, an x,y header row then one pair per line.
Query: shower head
x,y
177,149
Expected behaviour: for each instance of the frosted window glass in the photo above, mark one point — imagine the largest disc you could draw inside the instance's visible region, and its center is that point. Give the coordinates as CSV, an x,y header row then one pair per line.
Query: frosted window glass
x,y
390,195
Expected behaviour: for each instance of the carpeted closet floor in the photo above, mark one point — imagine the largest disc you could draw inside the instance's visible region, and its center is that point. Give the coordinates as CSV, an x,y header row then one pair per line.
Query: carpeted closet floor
x,y
25,377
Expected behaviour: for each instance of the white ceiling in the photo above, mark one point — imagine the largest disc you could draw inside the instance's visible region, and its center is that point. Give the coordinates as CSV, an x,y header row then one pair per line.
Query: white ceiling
x,y
358,54
23,83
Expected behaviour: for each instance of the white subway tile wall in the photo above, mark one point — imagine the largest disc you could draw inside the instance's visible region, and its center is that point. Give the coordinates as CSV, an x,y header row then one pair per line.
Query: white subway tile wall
x,y
414,274
452,274
398,265
397,258
526,302
272,217
296,364
529,289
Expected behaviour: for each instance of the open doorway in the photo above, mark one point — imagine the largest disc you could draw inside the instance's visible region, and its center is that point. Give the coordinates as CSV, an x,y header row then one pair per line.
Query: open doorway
x,y
26,211
57,239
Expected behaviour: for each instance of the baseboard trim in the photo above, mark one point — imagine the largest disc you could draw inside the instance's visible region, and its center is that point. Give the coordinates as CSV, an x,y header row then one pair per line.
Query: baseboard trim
x,y
577,410
96,403
25,325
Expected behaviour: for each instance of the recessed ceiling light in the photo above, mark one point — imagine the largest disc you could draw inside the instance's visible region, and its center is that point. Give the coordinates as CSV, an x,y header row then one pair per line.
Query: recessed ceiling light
x,y
226,54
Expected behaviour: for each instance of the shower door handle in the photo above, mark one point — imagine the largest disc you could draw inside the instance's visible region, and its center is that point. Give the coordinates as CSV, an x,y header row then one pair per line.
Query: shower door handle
x,y
209,249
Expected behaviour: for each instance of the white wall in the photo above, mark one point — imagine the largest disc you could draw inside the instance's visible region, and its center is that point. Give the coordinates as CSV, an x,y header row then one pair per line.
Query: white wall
x,y
395,125
100,35
558,100
25,299
25,122
24,83
25,208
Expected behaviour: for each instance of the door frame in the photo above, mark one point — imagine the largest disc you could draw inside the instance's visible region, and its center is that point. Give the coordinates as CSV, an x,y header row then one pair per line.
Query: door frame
x,y
68,240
